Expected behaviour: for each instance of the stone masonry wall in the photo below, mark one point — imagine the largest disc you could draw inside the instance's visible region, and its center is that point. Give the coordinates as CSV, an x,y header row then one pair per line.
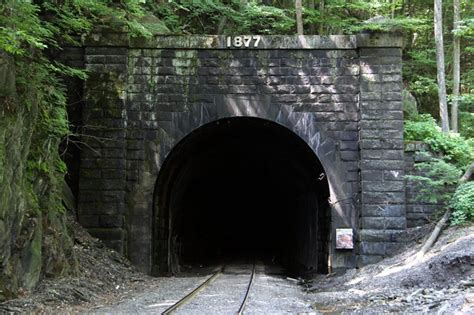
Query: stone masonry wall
x,y
340,94
383,217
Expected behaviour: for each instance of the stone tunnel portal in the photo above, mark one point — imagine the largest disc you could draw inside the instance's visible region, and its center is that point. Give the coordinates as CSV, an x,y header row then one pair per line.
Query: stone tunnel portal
x,y
241,188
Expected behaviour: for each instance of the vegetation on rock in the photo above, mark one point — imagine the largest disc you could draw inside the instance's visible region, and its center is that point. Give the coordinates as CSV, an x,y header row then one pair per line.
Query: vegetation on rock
x,y
34,239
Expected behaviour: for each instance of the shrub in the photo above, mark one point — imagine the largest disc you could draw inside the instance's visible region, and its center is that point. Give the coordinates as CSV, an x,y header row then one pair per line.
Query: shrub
x,y
454,148
462,204
438,175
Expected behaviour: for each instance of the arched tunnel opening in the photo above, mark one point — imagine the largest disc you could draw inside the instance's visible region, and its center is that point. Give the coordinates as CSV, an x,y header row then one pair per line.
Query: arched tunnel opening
x,y
241,189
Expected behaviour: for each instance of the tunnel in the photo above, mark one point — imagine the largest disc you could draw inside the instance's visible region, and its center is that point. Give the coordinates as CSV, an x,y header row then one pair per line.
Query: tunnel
x,y
241,189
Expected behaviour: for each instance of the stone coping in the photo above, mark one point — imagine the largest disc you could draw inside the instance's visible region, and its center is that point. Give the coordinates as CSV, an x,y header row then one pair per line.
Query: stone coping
x,y
254,41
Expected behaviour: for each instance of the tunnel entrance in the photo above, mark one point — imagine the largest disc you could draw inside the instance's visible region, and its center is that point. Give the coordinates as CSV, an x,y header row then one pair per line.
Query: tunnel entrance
x,y
241,188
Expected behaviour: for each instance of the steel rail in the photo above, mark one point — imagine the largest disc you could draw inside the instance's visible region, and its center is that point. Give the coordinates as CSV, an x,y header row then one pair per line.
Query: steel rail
x,y
247,292
189,296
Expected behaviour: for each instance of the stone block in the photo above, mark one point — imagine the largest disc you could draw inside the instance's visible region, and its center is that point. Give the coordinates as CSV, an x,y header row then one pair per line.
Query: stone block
x,y
374,52
350,107
133,175
368,96
90,173
371,175
349,155
380,87
375,223
372,248
95,59
381,236
334,89
393,247
86,196
113,174
370,144
116,59
136,155
113,196
380,60
95,68
112,208
383,186
375,105
90,50
396,223
115,221
349,136
89,221
382,69
353,176
371,154
393,175
349,145
382,165
382,210
382,124
114,153
383,197
111,184
393,154
115,68
382,115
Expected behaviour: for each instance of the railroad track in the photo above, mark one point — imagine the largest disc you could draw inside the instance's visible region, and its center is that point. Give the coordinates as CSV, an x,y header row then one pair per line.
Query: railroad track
x,y
207,284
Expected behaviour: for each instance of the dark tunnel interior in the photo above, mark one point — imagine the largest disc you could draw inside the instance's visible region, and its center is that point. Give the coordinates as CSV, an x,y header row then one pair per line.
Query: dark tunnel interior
x,y
242,188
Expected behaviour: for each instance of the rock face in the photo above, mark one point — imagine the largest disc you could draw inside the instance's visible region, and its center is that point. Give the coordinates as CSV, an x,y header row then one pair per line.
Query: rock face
x,y
342,95
33,238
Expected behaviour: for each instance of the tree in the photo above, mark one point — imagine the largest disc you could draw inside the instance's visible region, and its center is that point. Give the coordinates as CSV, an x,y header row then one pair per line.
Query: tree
x,y
299,17
321,12
312,7
456,67
438,32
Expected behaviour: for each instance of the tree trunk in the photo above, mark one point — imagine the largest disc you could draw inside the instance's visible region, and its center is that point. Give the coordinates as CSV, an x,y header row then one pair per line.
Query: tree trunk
x,y
221,25
438,32
312,6
321,13
442,222
467,175
434,235
456,67
299,17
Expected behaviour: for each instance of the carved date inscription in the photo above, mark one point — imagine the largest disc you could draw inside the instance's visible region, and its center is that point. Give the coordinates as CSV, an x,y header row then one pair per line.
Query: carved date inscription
x,y
243,41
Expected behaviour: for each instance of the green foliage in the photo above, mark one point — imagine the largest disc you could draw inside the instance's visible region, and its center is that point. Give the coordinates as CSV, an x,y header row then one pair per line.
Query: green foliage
x,y
437,176
462,204
231,17
21,28
466,124
454,148
27,30
261,19
33,125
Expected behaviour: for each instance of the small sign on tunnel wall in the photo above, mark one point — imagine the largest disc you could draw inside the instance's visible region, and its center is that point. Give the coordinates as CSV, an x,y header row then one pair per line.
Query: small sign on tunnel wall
x,y
344,239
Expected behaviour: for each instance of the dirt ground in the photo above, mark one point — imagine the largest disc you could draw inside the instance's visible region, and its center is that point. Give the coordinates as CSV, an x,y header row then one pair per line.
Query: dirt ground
x,y
442,282
103,277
